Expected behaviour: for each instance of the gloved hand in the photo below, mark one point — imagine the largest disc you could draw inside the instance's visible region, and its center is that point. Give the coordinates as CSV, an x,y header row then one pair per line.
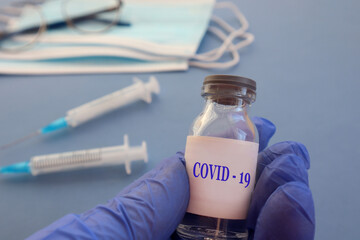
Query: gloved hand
x,y
282,206
153,206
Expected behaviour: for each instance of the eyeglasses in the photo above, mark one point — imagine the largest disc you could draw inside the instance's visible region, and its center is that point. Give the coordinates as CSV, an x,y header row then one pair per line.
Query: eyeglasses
x,y
23,23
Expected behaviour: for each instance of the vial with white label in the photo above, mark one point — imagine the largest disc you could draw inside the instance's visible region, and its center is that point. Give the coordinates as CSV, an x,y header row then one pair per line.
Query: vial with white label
x,y
221,157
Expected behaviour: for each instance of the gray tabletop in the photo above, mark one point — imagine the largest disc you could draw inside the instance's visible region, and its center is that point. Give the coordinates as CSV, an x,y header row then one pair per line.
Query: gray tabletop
x,y
305,60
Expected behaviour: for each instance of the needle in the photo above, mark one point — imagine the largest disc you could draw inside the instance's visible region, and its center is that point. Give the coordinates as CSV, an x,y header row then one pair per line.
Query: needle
x,y
23,139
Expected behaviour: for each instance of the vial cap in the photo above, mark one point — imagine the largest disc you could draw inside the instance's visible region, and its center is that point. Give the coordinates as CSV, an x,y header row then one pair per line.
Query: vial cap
x,y
230,80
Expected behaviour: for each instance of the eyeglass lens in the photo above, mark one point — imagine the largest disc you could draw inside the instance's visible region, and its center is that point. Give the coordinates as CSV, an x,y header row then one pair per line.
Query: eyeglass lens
x,y
20,27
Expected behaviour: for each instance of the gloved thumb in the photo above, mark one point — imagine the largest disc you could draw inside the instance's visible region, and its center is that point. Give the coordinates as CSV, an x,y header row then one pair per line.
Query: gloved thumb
x,y
266,130
288,214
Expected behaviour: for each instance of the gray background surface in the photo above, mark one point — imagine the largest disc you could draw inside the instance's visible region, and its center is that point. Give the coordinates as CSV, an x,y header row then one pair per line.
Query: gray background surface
x,y
305,60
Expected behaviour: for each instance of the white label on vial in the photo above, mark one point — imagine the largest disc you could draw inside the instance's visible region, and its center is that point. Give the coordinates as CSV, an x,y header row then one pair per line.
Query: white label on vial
x,y
221,174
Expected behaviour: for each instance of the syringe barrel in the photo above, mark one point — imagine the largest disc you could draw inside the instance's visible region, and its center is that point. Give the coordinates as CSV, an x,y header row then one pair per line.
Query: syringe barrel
x,y
59,162
108,103
65,161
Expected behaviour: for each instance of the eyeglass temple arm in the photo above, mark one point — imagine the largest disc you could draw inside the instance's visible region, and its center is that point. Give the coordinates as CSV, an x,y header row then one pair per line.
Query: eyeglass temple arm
x,y
92,16
62,24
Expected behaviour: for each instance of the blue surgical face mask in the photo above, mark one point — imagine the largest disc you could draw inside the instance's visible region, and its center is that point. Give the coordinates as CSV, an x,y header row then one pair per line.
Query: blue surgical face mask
x,y
163,35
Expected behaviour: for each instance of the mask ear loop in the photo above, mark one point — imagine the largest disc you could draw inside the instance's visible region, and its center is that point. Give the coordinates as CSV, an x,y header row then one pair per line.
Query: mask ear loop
x,y
233,32
208,58
236,57
249,38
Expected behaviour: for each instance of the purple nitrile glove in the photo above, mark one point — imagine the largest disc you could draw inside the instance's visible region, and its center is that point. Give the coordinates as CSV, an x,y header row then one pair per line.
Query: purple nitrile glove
x,y
150,208
282,206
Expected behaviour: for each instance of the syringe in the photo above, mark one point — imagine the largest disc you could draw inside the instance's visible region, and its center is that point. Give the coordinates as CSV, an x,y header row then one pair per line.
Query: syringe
x,y
58,162
98,107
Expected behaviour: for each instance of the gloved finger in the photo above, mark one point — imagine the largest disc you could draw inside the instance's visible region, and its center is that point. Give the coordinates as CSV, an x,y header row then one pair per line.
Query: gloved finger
x,y
284,169
266,130
288,214
278,149
150,208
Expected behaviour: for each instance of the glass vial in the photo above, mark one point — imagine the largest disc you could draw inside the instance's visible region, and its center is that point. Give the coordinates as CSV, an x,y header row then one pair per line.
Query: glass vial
x,y
225,120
